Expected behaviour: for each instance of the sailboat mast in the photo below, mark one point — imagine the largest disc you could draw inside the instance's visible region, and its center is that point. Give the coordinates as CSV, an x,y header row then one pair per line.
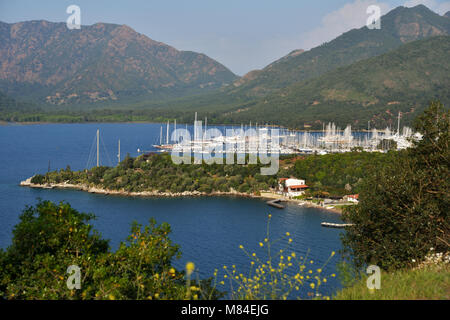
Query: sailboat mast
x,y
160,137
167,136
195,127
175,130
118,154
98,147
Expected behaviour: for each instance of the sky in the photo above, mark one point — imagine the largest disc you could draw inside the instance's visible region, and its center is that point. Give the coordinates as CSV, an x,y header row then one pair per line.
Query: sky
x,y
243,35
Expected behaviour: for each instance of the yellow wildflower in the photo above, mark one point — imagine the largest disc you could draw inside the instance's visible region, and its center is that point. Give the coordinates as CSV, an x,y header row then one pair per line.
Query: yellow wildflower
x,y
190,266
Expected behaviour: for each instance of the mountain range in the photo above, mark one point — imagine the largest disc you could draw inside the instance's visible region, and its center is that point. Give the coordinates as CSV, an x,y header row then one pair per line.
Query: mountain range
x,y
399,26
363,75
49,63
374,90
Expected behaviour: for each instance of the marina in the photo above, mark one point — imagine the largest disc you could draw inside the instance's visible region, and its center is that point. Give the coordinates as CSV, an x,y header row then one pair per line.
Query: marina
x,y
262,139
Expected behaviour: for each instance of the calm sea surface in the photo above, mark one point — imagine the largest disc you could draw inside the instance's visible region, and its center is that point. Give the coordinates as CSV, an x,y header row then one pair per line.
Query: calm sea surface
x,y
209,230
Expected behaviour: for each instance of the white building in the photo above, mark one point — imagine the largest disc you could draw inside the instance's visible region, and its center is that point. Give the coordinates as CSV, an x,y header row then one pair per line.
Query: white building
x,y
292,187
352,198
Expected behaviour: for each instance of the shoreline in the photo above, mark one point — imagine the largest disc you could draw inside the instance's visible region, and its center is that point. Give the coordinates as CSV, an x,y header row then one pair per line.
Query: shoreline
x,y
156,193
27,123
304,203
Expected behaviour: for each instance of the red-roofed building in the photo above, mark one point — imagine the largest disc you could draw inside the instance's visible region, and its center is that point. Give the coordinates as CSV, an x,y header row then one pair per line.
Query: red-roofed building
x,y
292,187
352,198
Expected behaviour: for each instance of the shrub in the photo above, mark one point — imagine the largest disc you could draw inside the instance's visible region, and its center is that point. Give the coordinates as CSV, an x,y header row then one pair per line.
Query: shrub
x,y
403,208
38,179
49,238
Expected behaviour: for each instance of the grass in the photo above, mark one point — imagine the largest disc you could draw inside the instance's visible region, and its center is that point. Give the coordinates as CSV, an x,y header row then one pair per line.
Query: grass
x,y
430,283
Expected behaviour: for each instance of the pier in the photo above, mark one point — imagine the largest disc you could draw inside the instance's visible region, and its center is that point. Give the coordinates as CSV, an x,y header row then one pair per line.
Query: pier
x,y
275,203
336,225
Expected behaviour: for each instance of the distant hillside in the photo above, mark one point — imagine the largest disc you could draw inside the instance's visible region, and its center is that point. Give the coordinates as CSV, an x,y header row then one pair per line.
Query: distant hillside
x,y
399,26
14,110
5,101
48,62
304,88
8,103
375,89
232,104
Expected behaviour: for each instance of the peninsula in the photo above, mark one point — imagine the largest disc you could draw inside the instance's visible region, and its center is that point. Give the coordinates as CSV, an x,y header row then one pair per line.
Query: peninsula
x,y
155,175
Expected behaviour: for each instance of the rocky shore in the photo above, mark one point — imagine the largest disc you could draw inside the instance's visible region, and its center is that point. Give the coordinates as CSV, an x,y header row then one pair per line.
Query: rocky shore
x,y
156,193
122,192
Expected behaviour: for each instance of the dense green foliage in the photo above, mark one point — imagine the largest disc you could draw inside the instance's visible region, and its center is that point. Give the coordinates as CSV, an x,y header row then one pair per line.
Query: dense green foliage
x,y
337,174
403,211
50,238
13,110
332,174
157,172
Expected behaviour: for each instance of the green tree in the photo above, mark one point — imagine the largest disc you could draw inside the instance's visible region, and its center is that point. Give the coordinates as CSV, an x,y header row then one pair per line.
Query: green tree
x,y
403,209
48,239
51,237
38,179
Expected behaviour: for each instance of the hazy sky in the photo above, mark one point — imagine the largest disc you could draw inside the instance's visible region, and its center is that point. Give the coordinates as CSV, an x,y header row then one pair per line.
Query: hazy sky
x,y
242,34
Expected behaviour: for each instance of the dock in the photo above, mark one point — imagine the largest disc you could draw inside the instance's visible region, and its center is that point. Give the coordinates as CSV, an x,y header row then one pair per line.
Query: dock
x,y
275,203
336,225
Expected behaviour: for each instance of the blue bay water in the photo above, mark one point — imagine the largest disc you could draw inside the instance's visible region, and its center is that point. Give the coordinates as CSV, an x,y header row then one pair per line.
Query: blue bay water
x,y
209,230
